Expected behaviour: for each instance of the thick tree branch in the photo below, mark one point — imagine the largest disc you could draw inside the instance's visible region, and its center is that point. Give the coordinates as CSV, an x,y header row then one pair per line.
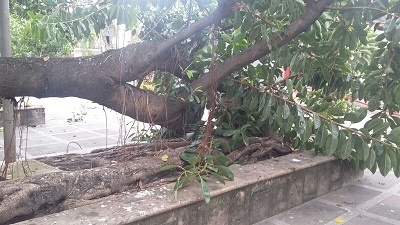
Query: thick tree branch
x,y
257,51
93,78
165,47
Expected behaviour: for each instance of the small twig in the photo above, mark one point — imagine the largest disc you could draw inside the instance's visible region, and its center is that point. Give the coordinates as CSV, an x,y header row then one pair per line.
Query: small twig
x,y
363,7
248,9
74,143
287,78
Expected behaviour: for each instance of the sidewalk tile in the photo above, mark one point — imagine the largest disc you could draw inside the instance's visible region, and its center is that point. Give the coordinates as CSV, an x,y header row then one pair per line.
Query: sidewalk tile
x,y
49,129
310,213
363,220
351,195
390,208
93,142
59,148
378,181
77,135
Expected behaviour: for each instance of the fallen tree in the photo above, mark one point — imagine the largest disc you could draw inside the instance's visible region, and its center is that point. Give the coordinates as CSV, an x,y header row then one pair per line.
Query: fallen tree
x,y
229,52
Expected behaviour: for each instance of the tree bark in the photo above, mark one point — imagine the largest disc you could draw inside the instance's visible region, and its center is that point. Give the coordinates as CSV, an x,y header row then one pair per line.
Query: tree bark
x,y
103,78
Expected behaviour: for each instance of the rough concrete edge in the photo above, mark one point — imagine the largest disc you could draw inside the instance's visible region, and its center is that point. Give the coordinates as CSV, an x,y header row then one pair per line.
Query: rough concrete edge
x,y
136,207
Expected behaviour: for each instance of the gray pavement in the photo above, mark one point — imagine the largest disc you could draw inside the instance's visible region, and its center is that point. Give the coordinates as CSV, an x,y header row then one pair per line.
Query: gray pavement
x,y
373,200
92,127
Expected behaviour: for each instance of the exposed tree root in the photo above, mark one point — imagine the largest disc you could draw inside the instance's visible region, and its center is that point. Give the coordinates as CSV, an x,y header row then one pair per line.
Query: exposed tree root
x,y
260,148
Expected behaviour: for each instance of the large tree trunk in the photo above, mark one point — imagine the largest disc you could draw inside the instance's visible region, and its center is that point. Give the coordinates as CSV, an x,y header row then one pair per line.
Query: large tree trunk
x,y
103,78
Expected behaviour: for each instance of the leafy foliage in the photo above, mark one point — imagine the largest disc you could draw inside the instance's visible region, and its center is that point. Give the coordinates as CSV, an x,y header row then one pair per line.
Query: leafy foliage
x,y
25,45
199,167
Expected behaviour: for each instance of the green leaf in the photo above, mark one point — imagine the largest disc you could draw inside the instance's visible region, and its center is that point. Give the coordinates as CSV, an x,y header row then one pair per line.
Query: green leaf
x,y
262,102
205,190
266,113
384,164
308,131
393,157
365,151
317,121
238,19
225,171
226,38
254,33
389,25
318,137
271,101
381,128
253,103
378,147
184,181
289,86
393,138
186,156
355,161
370,125
336,111
357,116
324,136
371,161
245,139
218,177
345,147
395,131
286,111
301,125
331,145
168,167
289,123
388,70
228,133
334,130
221,158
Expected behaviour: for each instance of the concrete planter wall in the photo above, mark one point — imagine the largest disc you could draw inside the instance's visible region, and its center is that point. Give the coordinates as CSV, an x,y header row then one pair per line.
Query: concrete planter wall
x,y
259,191
29,116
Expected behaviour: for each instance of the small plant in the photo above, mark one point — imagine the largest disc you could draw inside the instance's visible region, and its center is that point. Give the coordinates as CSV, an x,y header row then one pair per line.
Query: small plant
x,y
200,166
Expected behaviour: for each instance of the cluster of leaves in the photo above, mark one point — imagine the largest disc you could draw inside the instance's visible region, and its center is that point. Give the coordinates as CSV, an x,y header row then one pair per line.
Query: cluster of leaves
x,y
24,45
339,56
79,19
200,167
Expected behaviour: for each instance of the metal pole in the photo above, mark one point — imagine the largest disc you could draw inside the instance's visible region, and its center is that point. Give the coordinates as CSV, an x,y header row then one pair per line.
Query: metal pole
x,y
8,106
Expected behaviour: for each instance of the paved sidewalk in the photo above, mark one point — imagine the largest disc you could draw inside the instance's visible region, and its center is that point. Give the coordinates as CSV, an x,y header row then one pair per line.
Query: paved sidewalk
x,y
99,128
374,200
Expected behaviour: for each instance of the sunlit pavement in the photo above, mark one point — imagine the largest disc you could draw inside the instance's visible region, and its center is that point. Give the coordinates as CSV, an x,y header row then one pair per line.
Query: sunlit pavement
x,y
374,200
72,126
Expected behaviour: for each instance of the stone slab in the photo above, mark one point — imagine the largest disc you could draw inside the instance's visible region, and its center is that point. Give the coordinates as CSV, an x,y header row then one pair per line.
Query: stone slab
x,y
259,191
389,208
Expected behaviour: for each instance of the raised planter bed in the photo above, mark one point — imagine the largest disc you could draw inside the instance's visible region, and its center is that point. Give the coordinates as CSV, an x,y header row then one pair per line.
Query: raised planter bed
x,y
259,191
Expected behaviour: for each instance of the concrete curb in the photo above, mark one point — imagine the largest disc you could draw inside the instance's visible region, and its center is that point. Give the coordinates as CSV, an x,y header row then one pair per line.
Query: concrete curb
x,y
259,191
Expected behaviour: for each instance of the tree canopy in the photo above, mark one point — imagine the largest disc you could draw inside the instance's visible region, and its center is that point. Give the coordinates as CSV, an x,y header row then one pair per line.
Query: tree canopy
x,y
232,53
